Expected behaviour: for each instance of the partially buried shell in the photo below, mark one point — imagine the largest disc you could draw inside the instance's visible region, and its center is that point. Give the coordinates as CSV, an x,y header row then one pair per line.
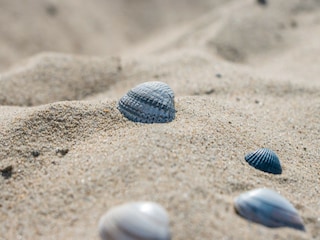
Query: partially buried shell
x,y
269,208
265,160
134,221
149,102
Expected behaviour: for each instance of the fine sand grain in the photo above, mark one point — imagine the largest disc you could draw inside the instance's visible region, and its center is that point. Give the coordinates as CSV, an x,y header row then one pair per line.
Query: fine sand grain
x,y
245,76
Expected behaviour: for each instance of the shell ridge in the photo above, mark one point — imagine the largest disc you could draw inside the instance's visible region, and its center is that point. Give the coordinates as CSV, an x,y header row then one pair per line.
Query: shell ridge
x,y
149,99
131,113
254,160
268,161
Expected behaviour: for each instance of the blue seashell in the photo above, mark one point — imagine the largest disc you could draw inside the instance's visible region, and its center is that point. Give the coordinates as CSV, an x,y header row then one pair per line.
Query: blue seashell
x,y
135,221
265,160
268,208
149,102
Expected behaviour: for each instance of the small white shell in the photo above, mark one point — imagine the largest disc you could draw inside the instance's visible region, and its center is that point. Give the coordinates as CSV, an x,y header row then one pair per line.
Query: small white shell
x,y
135,221
268,208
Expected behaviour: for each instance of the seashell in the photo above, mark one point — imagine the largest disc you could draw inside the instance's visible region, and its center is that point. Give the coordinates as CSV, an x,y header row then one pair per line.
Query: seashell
x,y
149,102
265,160
134,221
262,2
268,208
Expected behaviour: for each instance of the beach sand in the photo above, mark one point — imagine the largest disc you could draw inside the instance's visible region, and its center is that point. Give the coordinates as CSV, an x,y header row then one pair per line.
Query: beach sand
x,y
245,76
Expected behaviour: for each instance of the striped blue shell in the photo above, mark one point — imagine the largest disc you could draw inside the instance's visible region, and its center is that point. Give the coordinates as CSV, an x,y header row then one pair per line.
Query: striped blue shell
x,y
149,102
265,160
267,207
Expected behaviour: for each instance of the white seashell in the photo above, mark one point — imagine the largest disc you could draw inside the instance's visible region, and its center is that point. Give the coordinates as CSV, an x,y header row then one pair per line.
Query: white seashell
x,y
135,221
268,208
149,102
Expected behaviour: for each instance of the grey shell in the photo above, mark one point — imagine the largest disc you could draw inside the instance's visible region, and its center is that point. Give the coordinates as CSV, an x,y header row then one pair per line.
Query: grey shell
x,y
265,160
149,102
135,221
268,208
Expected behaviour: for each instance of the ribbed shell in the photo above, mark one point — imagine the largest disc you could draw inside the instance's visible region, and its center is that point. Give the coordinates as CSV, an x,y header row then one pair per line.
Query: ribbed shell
x,y
268,208
149,102
135,221
265,160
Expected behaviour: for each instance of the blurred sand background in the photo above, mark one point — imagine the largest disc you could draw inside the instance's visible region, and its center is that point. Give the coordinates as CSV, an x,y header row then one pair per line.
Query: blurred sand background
x,y
245,76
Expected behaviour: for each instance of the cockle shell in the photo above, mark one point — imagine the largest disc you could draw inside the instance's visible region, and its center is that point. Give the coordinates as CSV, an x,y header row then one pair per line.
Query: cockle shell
x,y
149,102
268,208
135,221
265,160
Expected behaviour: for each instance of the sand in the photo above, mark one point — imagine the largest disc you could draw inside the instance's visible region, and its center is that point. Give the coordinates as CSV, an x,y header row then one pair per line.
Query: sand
x,y
245,76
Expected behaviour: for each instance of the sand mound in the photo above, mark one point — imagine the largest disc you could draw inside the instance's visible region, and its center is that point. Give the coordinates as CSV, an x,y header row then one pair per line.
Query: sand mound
x,y
56,77
254,31
98,27
241,32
